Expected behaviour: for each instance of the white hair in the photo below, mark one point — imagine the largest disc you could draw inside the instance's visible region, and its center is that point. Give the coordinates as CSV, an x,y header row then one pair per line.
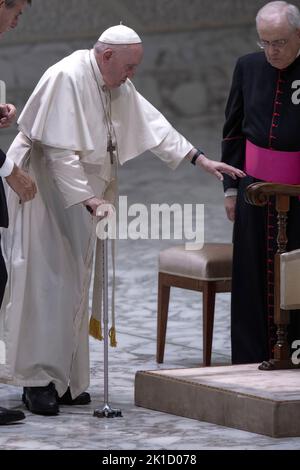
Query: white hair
x,y
101,47
281,10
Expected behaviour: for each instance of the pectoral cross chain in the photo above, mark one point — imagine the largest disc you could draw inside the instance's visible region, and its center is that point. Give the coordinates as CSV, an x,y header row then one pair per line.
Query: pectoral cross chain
x,y
111,148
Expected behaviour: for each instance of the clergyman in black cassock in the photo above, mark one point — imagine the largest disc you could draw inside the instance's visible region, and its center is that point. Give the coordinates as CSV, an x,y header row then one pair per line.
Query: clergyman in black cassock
x,y
264,109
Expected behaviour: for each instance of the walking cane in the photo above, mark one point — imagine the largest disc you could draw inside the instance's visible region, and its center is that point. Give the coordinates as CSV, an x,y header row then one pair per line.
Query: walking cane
x,y
107,411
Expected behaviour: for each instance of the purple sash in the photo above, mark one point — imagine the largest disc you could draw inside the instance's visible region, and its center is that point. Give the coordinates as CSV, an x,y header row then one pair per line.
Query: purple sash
x,y
272,166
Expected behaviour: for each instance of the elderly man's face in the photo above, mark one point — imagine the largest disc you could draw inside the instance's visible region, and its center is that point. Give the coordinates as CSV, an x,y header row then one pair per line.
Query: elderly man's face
x,y
9,16
281,42
120,64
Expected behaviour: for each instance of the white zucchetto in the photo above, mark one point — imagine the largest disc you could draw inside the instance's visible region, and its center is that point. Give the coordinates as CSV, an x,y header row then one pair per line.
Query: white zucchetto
x,y
120,35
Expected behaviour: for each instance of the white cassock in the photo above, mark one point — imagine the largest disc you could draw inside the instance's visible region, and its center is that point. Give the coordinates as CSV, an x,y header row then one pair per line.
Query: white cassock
x,y
49,245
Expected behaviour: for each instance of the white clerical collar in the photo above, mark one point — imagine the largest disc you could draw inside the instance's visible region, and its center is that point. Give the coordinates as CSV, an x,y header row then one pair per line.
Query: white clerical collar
x,y
97,72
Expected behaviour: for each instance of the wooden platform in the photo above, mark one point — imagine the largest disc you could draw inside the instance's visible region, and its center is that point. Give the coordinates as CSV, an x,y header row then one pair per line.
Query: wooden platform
x,y
240,397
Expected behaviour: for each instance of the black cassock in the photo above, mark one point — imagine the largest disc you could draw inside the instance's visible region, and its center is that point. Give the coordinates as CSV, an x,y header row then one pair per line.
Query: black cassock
x,y
263,107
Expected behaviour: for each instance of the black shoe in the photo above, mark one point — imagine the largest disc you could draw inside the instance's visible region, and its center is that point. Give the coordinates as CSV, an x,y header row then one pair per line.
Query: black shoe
x,y
82,399
10,416
41,400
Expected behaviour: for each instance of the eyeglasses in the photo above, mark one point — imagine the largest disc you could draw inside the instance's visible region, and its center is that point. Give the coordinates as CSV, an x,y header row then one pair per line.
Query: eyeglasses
x,y
277,44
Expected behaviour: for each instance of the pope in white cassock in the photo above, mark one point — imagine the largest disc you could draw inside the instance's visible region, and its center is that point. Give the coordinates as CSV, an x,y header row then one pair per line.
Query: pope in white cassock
x,y
83,119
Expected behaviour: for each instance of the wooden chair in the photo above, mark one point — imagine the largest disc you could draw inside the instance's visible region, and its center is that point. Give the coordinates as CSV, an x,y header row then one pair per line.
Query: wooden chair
x,y
285,299
207,271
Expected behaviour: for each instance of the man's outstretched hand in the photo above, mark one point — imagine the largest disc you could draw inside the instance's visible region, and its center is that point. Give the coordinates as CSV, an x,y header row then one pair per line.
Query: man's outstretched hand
x,y
217,168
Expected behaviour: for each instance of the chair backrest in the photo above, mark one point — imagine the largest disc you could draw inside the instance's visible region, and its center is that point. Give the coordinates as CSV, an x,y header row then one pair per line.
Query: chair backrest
x,y
289,280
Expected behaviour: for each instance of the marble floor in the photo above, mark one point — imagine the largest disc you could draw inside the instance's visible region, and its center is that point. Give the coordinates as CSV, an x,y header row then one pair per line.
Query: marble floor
x,y
146,181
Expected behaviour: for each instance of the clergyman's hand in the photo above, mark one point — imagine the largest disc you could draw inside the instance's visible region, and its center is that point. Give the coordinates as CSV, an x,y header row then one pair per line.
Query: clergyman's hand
x,y
217,168
22,184
230,207
8,115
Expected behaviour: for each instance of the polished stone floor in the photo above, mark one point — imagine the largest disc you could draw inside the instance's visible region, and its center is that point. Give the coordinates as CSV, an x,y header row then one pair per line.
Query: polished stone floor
x,y
146,181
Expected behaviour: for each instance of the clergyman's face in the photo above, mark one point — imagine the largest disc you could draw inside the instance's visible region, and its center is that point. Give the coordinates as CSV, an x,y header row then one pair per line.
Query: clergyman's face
x,y
9,16
282,55
119,64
